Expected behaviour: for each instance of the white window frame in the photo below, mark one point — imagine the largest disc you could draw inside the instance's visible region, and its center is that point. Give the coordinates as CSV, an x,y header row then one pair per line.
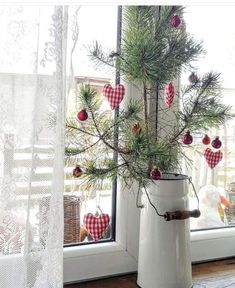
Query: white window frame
x,y
93,261
207,245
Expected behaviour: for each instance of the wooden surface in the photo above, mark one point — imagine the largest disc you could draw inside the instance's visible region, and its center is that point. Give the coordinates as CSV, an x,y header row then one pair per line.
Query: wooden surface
x,y
218,274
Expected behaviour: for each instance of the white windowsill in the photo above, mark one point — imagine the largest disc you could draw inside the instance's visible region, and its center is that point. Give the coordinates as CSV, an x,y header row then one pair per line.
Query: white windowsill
x,y
92,249
213,234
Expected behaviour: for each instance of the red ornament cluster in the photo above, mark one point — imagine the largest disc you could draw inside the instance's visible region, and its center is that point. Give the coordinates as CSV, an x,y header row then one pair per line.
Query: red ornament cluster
x,y
216,143
212,157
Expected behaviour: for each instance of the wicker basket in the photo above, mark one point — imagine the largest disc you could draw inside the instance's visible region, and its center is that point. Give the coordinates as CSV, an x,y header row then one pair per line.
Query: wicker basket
x,y
230,215
71,219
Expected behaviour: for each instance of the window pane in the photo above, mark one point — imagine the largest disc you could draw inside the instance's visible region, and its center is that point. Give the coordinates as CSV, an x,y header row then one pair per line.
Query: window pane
x,y
96,23
214,25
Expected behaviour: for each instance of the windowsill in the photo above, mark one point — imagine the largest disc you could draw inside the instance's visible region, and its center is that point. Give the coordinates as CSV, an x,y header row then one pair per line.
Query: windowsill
x,y
92,249
98,248
213,234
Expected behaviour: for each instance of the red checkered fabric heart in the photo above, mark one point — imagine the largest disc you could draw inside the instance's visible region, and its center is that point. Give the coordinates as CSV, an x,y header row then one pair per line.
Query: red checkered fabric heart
x,y
114,95
96,226
169,94
212,158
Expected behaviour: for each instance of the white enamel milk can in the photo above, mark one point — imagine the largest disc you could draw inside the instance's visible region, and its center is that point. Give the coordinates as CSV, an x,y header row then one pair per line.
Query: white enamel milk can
x,y
164,246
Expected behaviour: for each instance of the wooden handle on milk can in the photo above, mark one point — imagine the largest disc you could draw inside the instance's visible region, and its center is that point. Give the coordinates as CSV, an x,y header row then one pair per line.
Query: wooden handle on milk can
x,y
182,214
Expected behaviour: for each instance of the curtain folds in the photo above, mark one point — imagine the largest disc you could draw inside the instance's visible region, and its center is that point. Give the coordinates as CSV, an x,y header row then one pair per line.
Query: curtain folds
x,y
35,60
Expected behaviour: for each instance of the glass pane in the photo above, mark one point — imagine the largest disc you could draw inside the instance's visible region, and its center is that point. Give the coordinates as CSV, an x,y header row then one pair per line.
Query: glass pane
x,y
216,187
95,23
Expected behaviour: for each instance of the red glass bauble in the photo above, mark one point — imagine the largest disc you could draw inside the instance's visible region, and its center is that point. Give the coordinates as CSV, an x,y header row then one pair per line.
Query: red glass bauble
x,y
187,138
193,78
155,174
175,21
77,171
136,129
216,143
206,140
82,115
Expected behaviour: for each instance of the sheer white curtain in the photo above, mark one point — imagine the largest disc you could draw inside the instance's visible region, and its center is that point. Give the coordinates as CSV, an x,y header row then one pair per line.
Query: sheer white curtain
x,y
34,44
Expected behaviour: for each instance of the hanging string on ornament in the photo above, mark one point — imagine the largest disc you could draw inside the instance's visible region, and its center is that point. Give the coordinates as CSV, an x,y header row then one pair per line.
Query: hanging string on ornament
x,y
98,192
98,210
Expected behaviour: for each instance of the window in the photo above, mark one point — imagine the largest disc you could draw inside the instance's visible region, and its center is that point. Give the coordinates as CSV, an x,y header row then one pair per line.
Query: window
x,y
123,251
206,244
210,242
101,198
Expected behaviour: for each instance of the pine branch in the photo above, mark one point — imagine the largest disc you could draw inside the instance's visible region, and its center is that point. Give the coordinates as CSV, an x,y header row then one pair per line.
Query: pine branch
x,y
99,173
204,109
145,108
80,130
131,113
103,139
97,55
75,151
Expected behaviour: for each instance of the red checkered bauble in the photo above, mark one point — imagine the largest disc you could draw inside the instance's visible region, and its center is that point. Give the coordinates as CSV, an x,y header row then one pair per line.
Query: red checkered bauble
x,y
96,226
114,95
212,158
169,94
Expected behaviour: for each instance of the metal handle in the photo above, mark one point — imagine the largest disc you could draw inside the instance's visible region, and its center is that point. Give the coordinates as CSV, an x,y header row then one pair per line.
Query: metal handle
x,y
182,214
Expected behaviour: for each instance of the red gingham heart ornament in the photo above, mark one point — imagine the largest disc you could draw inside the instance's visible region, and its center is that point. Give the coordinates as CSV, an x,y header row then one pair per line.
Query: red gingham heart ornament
x,y
212,158
96,226
169,94
114,95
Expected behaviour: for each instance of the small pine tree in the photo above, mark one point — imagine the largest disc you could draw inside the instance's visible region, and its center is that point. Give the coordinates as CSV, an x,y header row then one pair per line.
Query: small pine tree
x,y
155,48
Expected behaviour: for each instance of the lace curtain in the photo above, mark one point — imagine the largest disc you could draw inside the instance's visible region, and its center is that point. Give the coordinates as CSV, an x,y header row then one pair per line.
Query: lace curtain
x,y
34,62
